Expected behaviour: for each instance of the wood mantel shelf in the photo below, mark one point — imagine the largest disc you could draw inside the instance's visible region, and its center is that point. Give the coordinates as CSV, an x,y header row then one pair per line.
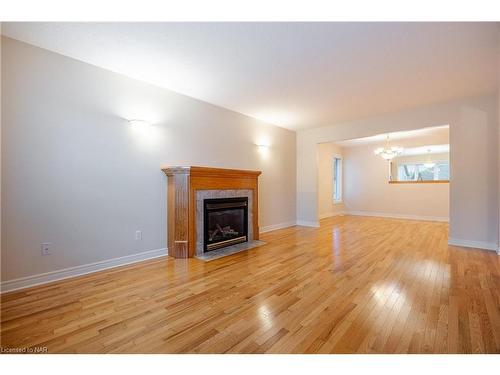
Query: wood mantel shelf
x,y
183,182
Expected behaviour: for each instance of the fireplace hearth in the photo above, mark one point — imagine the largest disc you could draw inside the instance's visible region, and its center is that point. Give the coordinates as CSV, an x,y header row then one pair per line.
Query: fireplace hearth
x,y
225,222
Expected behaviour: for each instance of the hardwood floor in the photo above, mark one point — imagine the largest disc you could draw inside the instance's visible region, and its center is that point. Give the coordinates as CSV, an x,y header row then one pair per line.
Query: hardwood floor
x,y
355,285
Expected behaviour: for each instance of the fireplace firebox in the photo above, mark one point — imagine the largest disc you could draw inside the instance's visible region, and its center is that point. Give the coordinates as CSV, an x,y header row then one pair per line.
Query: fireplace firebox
x,y
225,222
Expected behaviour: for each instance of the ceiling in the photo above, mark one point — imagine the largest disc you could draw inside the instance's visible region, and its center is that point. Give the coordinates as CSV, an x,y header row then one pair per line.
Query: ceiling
x,y
295,75
423,150
437,132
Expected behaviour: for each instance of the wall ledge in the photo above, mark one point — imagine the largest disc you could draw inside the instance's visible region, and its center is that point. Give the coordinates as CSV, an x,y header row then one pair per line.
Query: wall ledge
x,y
48,277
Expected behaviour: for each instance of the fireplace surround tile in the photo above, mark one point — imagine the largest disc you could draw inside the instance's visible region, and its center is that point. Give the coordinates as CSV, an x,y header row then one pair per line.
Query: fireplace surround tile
x,y
220,193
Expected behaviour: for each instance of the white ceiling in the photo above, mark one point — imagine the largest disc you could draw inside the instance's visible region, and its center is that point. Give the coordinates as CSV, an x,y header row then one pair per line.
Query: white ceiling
x,y
435,131
296,75
423,150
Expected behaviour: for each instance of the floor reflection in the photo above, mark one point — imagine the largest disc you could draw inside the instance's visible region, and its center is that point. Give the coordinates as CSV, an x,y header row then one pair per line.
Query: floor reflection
x,y
265,317
387,292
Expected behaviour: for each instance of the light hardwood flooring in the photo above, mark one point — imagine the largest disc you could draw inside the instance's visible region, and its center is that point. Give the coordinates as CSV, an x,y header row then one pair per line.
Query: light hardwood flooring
x,y
355,285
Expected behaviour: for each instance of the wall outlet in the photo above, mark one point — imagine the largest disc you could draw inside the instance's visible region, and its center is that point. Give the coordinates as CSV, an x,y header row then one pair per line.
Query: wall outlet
x,y
138,235
46,248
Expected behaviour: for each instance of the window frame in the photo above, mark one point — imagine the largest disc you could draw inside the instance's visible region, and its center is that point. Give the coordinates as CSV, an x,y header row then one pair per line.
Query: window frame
x,y
418,163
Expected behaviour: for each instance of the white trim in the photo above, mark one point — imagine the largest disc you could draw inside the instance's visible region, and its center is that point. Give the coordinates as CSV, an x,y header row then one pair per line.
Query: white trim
x,y
475,244
43,278
341,178
397,216
269,228
330,214
304,223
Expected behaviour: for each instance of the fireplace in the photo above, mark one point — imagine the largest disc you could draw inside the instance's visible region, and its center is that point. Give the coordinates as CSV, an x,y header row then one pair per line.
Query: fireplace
x,y
188,187
225,222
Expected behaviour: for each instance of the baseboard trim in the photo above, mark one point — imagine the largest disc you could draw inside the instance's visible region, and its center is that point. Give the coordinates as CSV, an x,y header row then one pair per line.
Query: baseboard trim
x,y
48,277
270,228
304,223
474,244
397,216
331,214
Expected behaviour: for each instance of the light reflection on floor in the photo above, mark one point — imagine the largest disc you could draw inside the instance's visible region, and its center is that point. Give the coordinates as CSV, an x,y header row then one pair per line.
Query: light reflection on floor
x,y
423,268
265,317
387,291
336,240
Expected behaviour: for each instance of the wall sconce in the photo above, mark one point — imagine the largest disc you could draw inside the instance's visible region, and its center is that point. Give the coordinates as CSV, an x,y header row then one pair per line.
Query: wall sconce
x,y
262,146
139,123
263,149
144,133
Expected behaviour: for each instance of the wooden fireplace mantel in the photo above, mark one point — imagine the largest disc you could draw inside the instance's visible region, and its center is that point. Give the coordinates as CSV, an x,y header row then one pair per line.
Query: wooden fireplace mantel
x,y
183,182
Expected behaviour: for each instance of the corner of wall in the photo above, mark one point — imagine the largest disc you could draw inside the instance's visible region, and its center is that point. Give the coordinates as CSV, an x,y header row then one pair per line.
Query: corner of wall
x,y
1,39
497,105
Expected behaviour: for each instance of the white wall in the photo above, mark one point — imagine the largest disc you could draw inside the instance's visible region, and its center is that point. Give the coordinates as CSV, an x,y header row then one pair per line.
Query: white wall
x,y
0,149
474,178
367,189
76,174
463,193
326,206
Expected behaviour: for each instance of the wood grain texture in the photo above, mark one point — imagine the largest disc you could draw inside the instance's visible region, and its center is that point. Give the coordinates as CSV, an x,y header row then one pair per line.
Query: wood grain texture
x,y
179,222
183,182
354,285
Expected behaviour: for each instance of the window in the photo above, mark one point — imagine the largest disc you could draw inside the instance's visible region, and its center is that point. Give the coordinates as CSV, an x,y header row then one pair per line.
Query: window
x,y
337,179
424,171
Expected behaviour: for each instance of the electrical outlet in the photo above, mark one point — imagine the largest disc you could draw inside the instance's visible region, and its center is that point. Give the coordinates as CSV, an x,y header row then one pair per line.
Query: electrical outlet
x,y
138,235
46,248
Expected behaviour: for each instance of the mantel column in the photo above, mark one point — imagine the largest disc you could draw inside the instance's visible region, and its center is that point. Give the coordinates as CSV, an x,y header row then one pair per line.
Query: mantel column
x,y
178,211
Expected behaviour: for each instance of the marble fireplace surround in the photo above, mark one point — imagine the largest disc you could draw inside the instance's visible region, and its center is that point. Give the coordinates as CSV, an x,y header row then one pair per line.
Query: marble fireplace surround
x,y
187,186
209,194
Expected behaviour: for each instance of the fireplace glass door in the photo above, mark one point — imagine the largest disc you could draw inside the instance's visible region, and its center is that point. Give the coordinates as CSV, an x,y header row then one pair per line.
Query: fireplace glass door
x,y
225,222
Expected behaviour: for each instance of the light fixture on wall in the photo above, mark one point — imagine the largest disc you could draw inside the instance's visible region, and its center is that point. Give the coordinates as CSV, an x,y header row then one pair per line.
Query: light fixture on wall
x,y
136,122
388,152
263,149
144,134
262,146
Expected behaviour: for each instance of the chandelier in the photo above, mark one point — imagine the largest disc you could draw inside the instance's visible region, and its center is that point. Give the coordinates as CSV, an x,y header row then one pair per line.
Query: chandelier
x,y
429,163
388,152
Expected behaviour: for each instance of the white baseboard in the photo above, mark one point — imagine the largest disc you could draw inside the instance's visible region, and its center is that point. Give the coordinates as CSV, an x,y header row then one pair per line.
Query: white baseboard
x,y
43,278
474,244
269,228
288,224
331,214
397,216
304,223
